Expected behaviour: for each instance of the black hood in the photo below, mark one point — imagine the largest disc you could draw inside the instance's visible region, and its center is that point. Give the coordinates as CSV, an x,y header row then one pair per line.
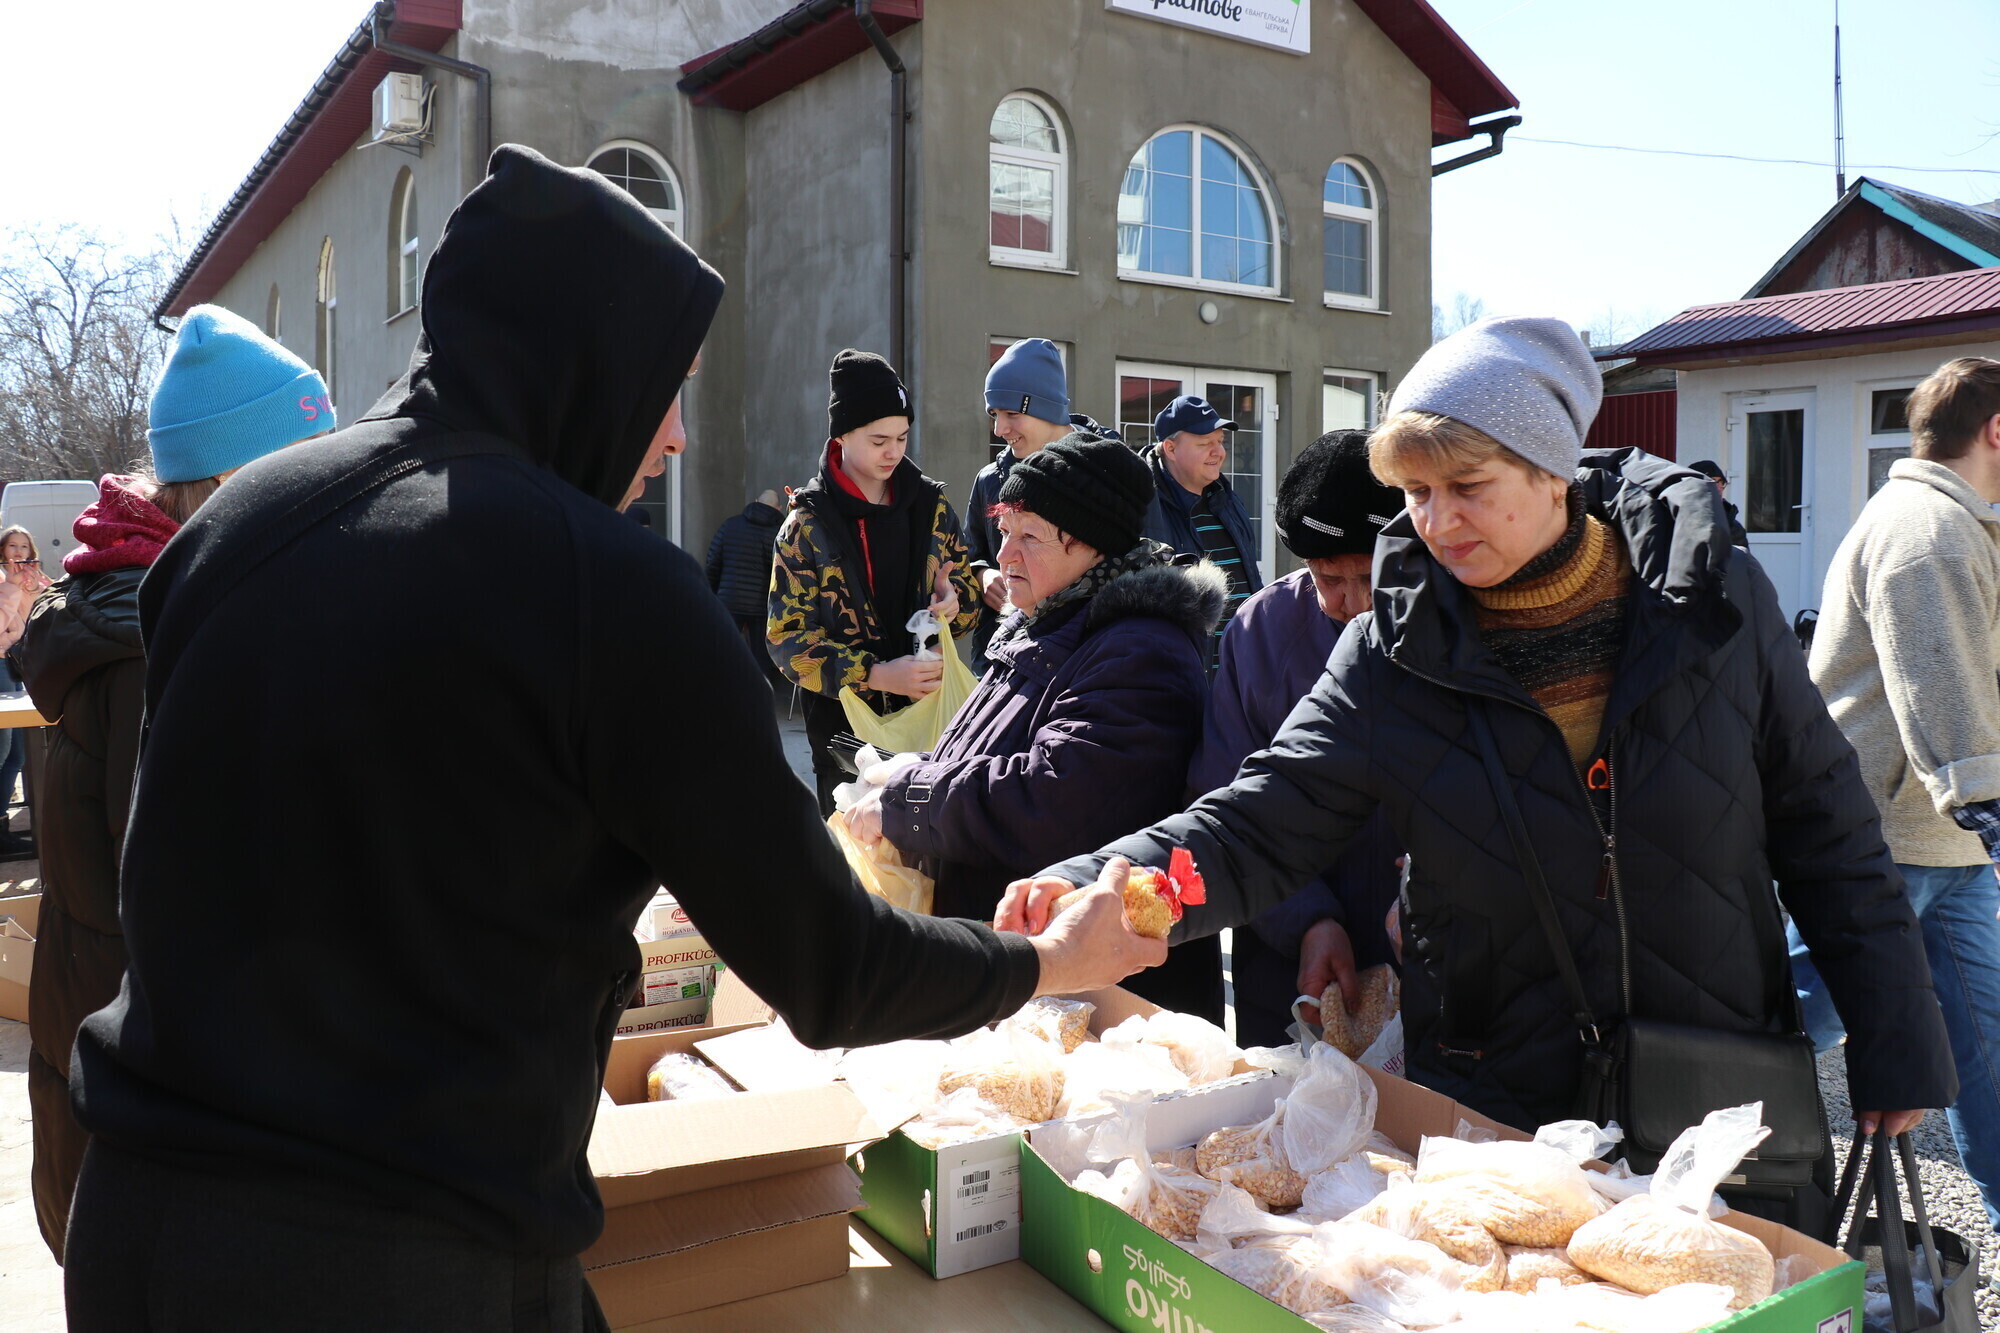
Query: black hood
x,y
1676,536
560,315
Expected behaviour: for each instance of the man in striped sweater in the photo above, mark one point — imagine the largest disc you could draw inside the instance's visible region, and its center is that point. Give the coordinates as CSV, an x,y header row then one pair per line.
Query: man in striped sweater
x,y
1196,511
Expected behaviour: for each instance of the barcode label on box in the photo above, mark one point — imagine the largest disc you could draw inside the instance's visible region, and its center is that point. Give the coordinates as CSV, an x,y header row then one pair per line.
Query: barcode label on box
x,y
979,1205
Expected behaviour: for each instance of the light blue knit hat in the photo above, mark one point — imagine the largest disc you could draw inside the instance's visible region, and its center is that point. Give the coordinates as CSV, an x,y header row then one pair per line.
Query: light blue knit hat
x,y
1028,378
227,396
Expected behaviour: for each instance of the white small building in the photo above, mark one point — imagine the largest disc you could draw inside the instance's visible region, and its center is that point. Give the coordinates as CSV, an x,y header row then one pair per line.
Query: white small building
x,y
1799,397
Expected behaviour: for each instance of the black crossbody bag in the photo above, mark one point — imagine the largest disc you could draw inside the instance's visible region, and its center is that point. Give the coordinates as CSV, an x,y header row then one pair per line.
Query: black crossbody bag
x,y
1656,1079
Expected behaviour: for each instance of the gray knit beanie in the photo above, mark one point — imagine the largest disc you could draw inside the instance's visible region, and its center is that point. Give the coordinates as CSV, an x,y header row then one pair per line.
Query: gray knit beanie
x,y
1528,383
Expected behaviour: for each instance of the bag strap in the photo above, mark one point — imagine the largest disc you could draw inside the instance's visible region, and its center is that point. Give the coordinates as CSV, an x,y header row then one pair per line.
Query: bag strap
x,y
1915,1185
1530,867
1870,1165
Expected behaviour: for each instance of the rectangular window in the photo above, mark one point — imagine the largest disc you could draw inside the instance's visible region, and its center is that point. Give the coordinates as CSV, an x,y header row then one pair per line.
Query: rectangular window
x,y
1346,245
1889,412
1023,208
1776,471
1141,398
1347,400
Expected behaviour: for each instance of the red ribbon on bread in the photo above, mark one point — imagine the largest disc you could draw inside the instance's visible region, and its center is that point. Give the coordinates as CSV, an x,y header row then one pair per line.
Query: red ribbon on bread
x,y
1183,883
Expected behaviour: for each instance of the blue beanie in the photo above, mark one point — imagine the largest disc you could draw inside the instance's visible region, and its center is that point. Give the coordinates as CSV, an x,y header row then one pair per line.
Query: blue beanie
x,y
227,396
1028,378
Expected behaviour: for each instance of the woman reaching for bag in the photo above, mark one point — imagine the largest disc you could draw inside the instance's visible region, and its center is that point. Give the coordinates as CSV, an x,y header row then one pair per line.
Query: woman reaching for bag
x,y
1654,723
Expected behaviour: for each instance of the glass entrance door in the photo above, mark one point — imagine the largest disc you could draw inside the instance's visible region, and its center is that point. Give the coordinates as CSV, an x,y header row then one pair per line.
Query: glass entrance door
x,y
1246,397
1771,457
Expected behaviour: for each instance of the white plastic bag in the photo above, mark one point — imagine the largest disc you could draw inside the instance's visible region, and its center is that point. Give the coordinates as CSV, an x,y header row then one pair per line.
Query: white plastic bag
x,y
1232,1218
1412,1282
1386,1051
1252,1157
1166,1198
1557,1192
1095,1070
1064,1023
924,627
1329,1113
1351,1183
1451,1215
676,1077
1665,1237
895,1081
1288,1271
1019,1075
1198,1048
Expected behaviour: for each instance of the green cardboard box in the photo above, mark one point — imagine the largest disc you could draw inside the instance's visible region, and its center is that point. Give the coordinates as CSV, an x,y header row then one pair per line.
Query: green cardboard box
x,y
952,1210
1136,1280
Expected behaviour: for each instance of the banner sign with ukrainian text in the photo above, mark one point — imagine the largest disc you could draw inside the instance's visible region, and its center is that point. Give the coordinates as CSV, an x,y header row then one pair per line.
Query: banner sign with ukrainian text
x,y
1284,24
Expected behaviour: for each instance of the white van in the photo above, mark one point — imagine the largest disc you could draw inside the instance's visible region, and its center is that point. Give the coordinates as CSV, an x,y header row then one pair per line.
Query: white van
x,y
48,509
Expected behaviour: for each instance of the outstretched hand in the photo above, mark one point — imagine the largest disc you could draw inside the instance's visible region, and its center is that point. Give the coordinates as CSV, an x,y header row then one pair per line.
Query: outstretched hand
x,y
1089,944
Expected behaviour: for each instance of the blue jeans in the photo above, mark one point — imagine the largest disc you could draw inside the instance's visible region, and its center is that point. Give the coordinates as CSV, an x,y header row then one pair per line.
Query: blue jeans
x,y
13,756
1959,910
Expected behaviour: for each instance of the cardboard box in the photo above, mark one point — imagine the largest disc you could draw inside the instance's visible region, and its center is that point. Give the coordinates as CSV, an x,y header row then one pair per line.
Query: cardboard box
x,y
20,922
1139,1281
721,1199
671,961
674,985
953,1209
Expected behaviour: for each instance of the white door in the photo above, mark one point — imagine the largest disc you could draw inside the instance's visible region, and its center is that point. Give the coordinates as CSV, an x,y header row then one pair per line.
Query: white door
x,y
1770,479
1249,398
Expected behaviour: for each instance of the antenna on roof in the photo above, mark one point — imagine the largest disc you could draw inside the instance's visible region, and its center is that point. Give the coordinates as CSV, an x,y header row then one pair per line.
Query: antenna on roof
x,y
1839,125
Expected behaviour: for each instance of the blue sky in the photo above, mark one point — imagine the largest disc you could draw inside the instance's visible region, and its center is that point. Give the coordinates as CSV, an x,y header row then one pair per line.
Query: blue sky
x,y
1578,233
172,103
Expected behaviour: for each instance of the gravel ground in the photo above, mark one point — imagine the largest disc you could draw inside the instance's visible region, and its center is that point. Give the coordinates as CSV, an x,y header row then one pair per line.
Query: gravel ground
x,y
1953,1200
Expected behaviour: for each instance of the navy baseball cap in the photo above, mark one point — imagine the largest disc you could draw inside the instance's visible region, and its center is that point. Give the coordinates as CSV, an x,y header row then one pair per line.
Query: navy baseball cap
x,y
1191,414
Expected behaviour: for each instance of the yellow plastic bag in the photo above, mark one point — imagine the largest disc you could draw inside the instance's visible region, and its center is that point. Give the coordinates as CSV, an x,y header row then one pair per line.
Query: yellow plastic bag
x,y
881,870
914,730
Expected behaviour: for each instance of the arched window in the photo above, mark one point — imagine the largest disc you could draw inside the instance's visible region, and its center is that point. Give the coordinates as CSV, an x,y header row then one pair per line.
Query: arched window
x,y
1192,209
325,302
643,174
273,323
406,265
1352,257
1027,184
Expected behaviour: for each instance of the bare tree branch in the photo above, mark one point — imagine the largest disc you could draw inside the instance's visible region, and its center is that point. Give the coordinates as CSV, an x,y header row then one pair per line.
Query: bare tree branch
x,y
78,353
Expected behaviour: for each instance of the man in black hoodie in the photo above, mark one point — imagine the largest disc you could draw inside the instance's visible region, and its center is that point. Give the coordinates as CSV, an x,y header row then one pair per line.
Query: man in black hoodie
x,y
350,1077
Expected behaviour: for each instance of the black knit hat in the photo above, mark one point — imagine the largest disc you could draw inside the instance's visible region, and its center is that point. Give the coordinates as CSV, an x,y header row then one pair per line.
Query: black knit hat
x,y
1330,503
863,388
1095,490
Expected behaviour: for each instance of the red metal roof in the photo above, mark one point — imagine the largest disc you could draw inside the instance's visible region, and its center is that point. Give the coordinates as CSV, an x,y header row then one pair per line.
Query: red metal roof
x,y
334,114
800,45
813,38
1844,316
1436,49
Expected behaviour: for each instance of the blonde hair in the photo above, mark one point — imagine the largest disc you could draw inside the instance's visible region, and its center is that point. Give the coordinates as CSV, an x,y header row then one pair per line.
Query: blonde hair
x,y
1425,439
16,530
176,499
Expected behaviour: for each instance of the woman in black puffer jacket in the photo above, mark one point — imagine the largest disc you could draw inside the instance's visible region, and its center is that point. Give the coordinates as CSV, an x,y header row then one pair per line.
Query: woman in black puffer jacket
x,y
1642,686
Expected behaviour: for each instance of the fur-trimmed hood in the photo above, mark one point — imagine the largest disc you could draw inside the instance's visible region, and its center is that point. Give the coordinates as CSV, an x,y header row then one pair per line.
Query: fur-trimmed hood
x,y
1190,596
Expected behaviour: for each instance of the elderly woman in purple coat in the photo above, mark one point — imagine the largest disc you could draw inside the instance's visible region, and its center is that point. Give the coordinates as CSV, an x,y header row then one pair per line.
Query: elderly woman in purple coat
x,y
1084,724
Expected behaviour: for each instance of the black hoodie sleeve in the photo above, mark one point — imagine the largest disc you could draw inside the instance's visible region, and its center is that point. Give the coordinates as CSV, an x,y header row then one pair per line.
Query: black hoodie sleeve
x,y
685,765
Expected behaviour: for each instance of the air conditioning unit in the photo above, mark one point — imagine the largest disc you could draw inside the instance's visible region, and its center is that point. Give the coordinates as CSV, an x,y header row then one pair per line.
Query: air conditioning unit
x,y
399,105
